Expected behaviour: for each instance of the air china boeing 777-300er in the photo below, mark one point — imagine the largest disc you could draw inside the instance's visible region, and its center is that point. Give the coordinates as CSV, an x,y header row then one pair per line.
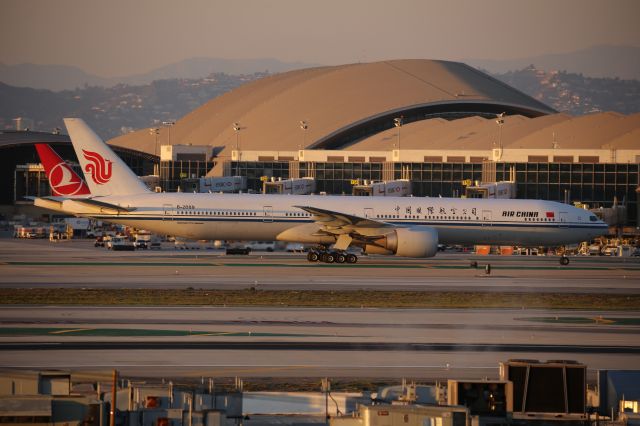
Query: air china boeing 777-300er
x,y
402,226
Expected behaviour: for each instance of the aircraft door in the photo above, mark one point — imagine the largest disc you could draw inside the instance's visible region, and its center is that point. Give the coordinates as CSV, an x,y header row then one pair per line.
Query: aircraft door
x,y
368,213
486,218
563,219
268,213
168,212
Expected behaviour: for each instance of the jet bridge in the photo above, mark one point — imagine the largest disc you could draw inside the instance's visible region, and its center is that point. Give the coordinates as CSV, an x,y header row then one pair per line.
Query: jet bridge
x,y
297,186
393,188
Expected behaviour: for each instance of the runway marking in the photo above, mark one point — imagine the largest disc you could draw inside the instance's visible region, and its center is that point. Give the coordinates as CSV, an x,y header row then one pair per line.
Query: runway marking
x,y
221,333
73,330
583,320
332,265
133,332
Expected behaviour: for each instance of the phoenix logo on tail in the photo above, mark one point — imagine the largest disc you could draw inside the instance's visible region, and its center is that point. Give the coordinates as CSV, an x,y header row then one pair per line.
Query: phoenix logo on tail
x,y
63,180
99,168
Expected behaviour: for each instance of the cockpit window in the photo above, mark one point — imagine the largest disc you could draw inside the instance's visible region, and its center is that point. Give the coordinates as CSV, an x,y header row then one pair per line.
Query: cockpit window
x,y
593,218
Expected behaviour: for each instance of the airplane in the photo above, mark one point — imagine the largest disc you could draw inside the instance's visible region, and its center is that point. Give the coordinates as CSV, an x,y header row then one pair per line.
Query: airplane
x,y
63,180
401,226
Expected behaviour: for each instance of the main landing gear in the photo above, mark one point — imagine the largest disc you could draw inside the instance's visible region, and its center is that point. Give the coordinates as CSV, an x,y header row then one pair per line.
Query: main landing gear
x,y
327,256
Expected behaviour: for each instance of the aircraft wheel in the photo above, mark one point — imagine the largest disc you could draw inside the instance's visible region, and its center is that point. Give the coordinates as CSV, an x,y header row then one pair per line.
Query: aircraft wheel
x,y
352,258
564,260
340,258
329,258
312,256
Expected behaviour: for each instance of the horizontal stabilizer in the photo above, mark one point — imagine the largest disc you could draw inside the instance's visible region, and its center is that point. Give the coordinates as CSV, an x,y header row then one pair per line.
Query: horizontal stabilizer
x,y
50,203
101,206
80,206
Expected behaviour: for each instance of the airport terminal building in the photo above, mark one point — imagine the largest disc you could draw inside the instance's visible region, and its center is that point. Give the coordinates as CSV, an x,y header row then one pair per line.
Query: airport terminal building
x,y
440,125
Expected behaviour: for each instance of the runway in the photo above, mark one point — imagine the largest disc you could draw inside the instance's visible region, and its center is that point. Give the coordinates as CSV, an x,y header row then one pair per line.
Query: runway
x,y
312,342
195,341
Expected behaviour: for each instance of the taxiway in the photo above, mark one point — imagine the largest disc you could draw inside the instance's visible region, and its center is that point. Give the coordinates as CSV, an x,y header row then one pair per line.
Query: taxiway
x,y
307,342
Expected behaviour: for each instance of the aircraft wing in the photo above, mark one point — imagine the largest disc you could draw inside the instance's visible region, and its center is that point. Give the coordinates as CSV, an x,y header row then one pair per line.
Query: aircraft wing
x,y
330,218
340,227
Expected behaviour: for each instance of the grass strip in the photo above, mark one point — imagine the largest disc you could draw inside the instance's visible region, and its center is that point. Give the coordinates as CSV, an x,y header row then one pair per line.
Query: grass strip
x,y
316,298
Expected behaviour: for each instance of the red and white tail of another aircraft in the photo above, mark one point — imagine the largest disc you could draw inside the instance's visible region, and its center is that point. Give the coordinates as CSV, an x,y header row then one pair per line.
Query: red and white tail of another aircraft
x,y
63,180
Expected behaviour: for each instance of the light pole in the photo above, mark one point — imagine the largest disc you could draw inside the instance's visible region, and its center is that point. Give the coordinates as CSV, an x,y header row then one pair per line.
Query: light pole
x,y
155,131
304,126
326,388
500,122
236,128
497,153
168,125
397,122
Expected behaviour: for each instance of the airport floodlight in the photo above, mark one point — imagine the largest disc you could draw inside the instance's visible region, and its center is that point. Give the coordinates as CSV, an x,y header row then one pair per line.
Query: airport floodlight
x,y
236,127
304,125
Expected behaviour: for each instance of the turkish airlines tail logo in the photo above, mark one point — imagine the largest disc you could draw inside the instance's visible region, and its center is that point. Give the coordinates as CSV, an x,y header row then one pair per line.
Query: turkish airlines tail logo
x,y
63,180
99,168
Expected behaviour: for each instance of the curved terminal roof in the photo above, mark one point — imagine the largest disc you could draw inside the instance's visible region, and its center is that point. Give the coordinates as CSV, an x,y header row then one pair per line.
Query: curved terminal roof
x,y
341,104
10,138
17,138
604,130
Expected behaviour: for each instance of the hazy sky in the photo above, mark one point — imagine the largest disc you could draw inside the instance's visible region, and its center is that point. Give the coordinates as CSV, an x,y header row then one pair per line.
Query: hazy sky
x,y
121,37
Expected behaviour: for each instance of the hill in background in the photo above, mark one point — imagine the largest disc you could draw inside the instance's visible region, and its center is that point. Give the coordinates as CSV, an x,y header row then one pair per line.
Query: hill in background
x,y
63,77
575,93
598,61
115,110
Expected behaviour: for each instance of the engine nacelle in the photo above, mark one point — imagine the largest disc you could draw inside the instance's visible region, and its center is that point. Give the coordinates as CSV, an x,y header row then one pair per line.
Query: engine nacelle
x,y
371,249
408,242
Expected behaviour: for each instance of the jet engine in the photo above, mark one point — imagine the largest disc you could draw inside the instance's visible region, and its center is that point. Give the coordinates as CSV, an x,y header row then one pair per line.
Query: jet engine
x,y
407,242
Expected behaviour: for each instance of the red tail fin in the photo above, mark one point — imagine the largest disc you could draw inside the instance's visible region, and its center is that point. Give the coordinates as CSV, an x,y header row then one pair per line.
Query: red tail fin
x,y
62,179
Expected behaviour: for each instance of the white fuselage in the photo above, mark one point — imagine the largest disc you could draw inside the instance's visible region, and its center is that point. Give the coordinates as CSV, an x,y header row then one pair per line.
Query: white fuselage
x,y
264,217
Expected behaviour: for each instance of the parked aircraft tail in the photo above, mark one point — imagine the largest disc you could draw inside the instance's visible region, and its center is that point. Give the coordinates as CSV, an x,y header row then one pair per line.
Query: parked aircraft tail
x,y
105,172
64,181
